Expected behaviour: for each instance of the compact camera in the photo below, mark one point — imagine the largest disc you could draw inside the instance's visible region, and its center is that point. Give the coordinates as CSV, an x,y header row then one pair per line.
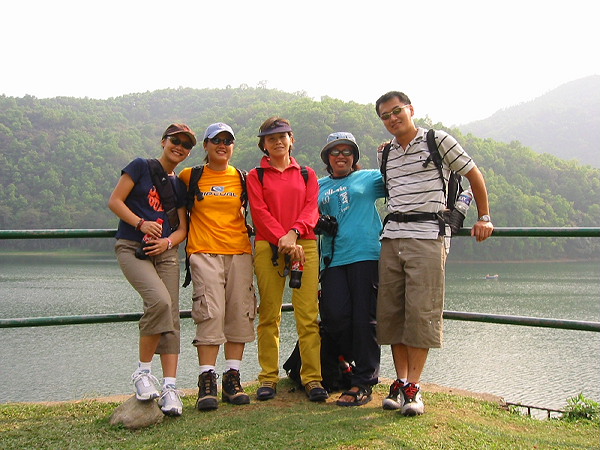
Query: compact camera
x,y
327,225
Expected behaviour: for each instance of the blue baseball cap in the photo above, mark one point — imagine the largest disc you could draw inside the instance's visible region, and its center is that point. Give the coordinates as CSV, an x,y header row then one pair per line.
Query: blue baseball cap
x,y
337,138
217,128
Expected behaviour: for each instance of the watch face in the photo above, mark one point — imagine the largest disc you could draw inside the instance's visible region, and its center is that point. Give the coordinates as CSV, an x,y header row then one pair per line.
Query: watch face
x,y
485,218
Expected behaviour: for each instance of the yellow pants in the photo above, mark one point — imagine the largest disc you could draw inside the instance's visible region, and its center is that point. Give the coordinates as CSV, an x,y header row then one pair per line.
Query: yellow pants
x,y
306,311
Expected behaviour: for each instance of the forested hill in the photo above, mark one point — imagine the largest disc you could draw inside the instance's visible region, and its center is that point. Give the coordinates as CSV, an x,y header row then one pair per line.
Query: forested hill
x,y
565,122
61,158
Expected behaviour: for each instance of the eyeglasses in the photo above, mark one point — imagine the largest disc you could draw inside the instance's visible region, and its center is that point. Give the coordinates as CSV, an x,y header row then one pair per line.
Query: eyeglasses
x,y
225,141
337,151
176,141
395,112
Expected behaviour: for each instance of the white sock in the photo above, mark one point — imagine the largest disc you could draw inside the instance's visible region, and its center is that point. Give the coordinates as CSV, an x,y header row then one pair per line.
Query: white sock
x,y
147,366
403,381
233,364
169,381
206,368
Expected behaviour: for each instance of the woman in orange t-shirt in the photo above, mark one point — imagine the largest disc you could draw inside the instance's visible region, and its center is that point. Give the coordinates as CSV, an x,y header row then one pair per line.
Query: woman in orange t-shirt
x,y
221,266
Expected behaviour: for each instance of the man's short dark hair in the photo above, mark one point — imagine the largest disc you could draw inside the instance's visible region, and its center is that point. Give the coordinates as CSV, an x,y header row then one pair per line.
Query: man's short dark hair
x,y
389,96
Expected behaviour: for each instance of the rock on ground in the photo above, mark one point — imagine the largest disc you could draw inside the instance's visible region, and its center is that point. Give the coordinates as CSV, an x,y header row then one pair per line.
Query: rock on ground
x,y
134,414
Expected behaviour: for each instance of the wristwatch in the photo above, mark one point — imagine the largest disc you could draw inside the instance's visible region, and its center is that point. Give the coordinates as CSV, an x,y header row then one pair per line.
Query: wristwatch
x,y
295,230
485,218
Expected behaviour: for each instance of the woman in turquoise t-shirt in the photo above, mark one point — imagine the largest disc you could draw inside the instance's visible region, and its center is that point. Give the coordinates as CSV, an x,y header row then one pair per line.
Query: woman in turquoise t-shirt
x,y
349,260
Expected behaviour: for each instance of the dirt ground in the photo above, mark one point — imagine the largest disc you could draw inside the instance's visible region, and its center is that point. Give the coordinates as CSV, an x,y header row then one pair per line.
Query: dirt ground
x,y
286,394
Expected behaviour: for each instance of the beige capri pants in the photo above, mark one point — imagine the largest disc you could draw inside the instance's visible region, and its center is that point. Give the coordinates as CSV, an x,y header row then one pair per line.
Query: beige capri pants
x,y
156,279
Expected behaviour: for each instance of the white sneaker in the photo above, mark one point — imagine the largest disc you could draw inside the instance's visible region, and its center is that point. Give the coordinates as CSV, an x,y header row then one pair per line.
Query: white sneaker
x,y
144,384
170,401
395,399
413,402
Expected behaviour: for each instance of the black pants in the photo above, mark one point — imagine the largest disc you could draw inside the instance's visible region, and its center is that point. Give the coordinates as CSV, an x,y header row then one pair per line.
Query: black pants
x,y
347,307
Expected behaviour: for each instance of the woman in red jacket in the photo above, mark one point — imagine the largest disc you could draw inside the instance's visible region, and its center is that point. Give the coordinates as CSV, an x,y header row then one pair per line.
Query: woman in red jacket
x,y
283,201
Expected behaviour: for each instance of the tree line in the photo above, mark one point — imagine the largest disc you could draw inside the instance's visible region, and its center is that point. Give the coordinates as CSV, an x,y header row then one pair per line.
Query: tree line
x,y
60,158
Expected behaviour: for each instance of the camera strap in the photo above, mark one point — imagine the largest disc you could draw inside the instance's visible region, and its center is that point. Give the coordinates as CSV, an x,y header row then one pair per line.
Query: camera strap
x,y
275,260
327,259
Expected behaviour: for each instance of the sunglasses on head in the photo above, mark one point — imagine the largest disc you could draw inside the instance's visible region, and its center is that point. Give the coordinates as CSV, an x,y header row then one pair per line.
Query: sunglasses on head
x,y
337,151
217,141
395,112
176,141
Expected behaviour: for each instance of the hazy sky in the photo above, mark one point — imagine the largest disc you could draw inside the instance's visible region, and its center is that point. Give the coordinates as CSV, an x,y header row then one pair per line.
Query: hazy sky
x,y
457,60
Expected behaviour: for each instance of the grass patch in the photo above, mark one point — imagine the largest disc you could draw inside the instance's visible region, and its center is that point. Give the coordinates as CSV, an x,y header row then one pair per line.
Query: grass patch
x,y
290,422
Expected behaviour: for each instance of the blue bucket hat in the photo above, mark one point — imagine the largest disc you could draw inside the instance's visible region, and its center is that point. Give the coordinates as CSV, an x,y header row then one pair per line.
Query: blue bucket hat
x,y
337,138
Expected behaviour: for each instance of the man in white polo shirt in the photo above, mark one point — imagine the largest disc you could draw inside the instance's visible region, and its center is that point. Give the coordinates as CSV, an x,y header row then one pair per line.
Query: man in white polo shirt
x,y
414,245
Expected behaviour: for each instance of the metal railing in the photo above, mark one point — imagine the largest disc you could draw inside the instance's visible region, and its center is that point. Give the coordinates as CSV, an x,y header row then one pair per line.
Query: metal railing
x,y
498,232
528,408
187,313
451,315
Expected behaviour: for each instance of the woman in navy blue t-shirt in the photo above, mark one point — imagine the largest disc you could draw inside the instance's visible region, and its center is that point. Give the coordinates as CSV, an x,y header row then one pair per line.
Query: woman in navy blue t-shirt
x,y
153,270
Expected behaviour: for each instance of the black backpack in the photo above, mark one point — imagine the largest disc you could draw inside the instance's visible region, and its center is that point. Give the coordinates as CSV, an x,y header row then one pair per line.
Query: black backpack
x,y
454,187
194,193
336,372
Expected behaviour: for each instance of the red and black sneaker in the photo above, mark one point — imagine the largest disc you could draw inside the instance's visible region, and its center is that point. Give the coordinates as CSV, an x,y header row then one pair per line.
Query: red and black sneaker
x,y
413,402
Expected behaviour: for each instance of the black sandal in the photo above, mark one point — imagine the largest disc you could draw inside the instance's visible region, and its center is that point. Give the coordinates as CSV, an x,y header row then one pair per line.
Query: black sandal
x,y
361,397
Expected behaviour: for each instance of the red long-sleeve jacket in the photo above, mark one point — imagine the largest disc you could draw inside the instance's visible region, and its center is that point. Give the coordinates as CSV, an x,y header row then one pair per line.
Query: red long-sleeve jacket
x,y
283,201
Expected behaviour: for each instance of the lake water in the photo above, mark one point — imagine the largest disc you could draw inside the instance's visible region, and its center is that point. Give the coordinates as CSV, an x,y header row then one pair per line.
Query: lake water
x,y
537,366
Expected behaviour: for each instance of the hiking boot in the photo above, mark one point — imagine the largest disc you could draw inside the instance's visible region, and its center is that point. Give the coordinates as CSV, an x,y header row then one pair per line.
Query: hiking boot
x,y
170,401
232,391
394,400
315,391
267,390
413,402
144,384
207,391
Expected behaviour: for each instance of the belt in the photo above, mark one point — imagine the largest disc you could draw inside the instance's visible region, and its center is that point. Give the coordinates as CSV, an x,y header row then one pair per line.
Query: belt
x,y
410,217
416,217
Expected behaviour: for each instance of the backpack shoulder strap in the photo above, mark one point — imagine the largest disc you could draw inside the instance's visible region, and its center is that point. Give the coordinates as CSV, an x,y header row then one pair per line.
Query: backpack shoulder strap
x,y
193,193
163,185
304,172
385,153
193,188
454,186
244,198
434,155
243,174
260,171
